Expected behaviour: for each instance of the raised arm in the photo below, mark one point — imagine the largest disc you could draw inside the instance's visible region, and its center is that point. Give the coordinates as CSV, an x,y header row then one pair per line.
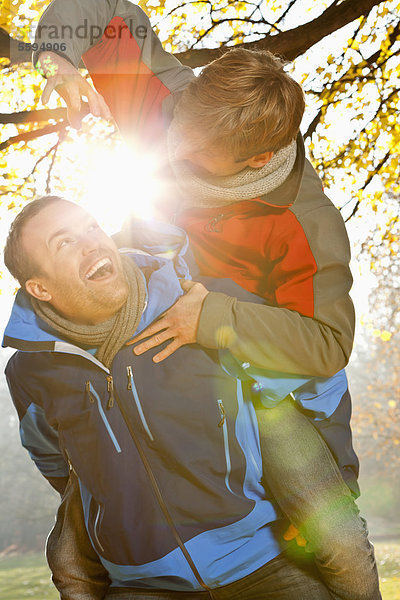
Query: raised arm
x,y
125,58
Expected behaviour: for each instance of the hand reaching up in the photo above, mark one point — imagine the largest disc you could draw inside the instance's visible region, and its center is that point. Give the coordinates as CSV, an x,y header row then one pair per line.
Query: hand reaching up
x,y
66,80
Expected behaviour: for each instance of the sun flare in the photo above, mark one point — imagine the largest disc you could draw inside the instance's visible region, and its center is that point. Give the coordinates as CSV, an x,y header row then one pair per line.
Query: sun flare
x,y
120,183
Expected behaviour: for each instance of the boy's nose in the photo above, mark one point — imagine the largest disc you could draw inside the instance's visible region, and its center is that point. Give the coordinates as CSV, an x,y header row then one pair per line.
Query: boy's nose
x,y
183,151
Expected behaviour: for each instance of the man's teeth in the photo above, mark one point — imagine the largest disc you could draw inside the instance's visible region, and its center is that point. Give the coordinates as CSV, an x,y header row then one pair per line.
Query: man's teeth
x,y
101,263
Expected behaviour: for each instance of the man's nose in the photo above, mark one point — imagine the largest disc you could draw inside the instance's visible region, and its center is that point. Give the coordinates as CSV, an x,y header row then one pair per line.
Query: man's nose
x,y
89,244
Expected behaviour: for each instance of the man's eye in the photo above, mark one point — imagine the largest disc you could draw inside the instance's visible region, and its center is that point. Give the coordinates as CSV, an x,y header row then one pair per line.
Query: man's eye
x,y
65,242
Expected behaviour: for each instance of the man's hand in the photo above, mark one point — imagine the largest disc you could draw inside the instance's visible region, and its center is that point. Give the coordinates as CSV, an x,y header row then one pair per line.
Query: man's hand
x,y
180,323
62,76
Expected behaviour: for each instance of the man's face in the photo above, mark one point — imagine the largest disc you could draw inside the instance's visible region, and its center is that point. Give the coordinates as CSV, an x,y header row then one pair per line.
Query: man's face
x,y
79,267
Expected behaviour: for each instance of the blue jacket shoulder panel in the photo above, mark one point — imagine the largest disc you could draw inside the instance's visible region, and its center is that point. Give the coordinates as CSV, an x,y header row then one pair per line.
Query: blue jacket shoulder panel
x,y
25,326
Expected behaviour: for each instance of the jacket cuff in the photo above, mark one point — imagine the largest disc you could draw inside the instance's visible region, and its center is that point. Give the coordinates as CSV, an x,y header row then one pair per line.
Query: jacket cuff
x,y
75,62
215,329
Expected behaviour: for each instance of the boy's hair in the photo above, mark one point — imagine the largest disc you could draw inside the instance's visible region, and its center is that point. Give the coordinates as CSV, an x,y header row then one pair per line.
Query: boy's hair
x,y
243,103
16,258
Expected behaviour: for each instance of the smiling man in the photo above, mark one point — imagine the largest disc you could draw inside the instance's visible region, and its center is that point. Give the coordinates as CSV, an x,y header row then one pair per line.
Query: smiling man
x,y
167,456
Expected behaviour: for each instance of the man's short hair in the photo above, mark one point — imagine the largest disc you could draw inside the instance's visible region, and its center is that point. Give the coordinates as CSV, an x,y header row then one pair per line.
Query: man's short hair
x,y
243,103
16,258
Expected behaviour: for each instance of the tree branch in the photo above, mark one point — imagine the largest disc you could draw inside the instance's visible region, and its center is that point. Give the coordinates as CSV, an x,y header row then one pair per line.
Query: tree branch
x,y
9,48
35,166
368,181
288,44
33,116
313,125
176,8
337,86
285,12
26,136
55,149
40,116
216,24
293,42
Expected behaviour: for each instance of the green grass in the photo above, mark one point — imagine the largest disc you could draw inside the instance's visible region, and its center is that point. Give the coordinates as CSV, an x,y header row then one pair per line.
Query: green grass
x,y
388,558
27,576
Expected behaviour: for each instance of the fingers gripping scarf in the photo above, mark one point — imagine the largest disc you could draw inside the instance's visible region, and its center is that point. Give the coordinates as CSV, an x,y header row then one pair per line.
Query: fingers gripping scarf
x,y
111,335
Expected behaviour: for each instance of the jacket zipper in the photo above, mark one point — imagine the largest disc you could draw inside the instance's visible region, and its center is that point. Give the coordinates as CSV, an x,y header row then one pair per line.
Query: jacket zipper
x,y
152,478
239,396
132,387
110,390
96,527
222,413
94,399
213,225
222,424
157,490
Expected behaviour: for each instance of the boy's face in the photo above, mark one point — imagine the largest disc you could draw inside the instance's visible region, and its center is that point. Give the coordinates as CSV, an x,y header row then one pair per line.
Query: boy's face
x,y
79,267
212,160
208,161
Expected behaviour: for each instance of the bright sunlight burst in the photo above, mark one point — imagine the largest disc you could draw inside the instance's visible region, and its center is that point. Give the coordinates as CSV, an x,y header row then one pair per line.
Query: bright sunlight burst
x,y
120,183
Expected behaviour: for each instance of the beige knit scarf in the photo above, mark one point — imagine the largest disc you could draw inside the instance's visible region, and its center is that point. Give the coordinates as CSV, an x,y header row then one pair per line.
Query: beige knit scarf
x,y
213,191
111,335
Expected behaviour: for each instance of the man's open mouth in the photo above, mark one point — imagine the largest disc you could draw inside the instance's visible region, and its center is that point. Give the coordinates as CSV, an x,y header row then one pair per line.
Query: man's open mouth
x,y
102,268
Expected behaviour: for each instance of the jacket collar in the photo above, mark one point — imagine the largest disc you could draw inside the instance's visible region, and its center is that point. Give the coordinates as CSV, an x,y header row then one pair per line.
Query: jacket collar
x,y
286,194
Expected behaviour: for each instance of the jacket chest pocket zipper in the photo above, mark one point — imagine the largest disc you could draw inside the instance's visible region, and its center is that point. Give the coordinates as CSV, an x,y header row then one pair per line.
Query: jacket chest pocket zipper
x,y
223,425
94,398
214,224
110,390
132,387
96,528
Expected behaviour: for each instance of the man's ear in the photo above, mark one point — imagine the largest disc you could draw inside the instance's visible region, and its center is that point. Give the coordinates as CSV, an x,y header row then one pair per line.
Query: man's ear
x,y
260,160
36,289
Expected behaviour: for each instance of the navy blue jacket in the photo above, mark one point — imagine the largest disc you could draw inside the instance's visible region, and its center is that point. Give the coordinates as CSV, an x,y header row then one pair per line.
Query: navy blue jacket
x,y
167,455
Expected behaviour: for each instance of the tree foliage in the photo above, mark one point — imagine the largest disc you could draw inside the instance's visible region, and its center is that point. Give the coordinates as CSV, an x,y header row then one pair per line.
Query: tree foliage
x,y
345,53
376,378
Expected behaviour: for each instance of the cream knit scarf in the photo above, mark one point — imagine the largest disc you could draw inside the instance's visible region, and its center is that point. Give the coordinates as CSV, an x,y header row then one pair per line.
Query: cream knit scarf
x,y
111,335
213,191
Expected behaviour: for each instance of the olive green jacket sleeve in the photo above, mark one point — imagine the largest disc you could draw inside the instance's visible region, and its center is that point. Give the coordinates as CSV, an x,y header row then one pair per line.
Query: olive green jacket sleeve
x,y
79,25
